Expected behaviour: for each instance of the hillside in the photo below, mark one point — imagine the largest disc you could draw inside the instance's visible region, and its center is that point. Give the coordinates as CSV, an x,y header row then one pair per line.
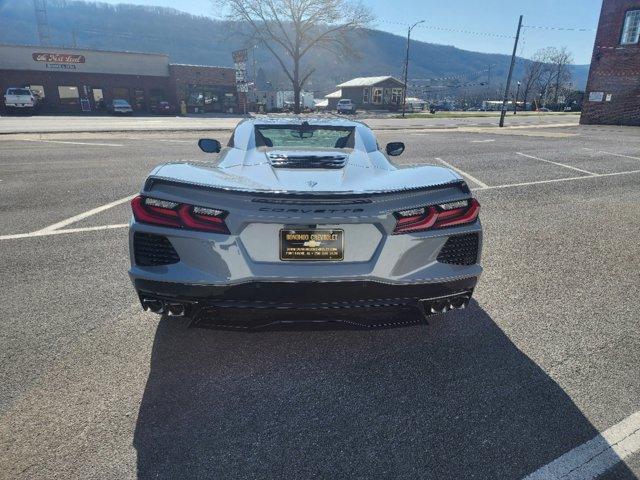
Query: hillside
x,y
202,40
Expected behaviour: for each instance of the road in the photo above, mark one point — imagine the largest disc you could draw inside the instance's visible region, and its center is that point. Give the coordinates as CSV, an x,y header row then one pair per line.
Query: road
x,y
545,359
77,124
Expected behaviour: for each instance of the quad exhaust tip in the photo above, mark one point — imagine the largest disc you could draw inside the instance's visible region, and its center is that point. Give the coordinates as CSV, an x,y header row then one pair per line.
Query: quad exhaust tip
x,y
434,307
154,305
175,309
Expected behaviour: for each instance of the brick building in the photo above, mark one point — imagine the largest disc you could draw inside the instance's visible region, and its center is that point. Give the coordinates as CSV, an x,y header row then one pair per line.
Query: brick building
x,y
83,80
613,88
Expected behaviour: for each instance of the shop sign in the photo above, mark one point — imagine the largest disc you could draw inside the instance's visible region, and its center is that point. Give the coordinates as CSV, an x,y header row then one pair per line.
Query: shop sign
x,y
58,58
240,65
596,96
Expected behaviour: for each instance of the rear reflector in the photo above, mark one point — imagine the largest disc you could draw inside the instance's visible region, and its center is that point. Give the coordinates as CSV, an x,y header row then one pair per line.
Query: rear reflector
x,y
178,215
437,216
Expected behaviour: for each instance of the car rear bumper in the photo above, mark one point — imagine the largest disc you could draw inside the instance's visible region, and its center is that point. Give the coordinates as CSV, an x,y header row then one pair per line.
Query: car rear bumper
x,y
205,303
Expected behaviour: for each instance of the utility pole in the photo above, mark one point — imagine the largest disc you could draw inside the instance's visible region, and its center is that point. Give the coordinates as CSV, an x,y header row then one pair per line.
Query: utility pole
x,y
44,35
406,68
513,62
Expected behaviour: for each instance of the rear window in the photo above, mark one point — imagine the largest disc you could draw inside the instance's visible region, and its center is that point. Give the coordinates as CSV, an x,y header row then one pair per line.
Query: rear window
x,y
121,103
18,91
304,135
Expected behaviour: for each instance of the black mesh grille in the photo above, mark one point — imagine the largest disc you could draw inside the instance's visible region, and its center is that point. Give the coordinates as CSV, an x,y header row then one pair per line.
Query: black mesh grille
x,y
307,161
151,250
460,250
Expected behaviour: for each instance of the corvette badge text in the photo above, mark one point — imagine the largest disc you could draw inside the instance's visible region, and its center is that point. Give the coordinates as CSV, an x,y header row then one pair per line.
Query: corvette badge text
x,y
312,210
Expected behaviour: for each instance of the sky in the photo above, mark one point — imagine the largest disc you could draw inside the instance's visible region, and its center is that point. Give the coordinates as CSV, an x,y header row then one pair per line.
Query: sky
x,y
479,25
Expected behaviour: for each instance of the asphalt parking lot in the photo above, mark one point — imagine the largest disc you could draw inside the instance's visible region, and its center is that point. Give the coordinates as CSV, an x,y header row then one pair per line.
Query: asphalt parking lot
x,y
522,383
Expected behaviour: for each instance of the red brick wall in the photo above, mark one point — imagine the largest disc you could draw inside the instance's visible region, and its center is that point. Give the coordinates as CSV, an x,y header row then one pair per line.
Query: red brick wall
x,y
174,86
615,70
51,80
181,76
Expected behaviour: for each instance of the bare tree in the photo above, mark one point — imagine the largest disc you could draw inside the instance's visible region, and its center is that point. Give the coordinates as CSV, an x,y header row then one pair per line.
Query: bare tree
x,y
290,29
560,61
532,74
554,72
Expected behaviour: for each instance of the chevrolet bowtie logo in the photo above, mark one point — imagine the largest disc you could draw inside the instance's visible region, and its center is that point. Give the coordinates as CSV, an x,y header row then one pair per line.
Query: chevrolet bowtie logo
x,y
312,243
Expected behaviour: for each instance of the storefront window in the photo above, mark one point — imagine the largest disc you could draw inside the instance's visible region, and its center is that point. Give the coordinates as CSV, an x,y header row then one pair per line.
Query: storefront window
x,y
365,95
38,91
98,99
229,101
156,96
138,99
123,93
209,98
68,94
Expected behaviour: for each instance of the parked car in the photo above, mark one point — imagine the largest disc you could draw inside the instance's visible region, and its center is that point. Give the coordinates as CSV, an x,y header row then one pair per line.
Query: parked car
x,y
544,109
163,108
119,106
300,214
20,99
346,106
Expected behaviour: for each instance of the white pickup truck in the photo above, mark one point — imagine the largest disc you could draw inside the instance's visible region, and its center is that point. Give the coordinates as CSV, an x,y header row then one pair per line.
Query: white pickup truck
x,y
19,99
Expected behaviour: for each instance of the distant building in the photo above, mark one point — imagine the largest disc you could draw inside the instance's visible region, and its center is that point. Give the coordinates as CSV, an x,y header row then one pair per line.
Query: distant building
x,y
332,99
613,88
414,104
284,99
370,93
84,80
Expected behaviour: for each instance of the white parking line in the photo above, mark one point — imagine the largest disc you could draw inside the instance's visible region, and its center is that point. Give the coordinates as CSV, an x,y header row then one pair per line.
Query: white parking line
x,y
556,163
160,140
596,456
556,180
74,143
464,174
84,215
483,141
614,154
42,233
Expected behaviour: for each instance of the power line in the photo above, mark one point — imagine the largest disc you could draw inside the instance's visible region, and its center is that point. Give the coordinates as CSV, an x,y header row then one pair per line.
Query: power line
x,y
447,29
565,29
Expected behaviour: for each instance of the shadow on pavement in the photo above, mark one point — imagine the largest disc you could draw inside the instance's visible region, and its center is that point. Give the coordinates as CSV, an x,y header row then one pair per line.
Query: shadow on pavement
x,y
454,399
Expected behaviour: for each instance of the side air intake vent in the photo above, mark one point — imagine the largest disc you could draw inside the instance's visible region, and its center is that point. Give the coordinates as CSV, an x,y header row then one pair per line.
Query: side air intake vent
x,y
460,250
153,250
279,160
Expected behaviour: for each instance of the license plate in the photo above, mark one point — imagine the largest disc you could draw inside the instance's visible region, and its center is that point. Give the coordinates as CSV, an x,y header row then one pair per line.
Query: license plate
x,y
311,245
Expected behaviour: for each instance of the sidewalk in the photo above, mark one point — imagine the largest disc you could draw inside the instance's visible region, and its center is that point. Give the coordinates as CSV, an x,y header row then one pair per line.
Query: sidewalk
x,y
103,124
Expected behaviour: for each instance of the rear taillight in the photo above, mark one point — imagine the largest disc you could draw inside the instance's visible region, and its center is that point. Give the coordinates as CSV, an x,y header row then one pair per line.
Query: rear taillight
x,y
178,215
437,216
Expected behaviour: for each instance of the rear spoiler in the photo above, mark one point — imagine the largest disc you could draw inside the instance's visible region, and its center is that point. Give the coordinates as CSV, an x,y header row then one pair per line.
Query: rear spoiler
x,y
154,182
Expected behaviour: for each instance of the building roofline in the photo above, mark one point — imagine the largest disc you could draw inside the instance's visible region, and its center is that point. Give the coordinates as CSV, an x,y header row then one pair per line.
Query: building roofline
x,y
52,47
200,66
363,83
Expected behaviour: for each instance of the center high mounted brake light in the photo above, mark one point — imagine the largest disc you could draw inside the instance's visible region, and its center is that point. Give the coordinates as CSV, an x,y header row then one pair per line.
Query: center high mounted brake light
x,y
437,216
178,215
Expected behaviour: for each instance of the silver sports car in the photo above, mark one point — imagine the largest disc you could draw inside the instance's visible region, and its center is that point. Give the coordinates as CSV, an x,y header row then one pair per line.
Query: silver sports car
x,y
303,214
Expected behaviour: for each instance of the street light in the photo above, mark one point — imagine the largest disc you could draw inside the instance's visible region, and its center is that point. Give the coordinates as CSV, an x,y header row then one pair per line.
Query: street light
x,y
406,67
515,104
